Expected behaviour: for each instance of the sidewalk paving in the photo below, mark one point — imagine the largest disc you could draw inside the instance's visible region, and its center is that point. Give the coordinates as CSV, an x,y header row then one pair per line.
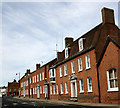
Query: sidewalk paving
x,y
102,105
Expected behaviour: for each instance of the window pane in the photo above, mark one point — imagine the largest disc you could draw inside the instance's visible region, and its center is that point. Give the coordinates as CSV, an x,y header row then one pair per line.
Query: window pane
x,y
115,73
116,83
110,74
111,83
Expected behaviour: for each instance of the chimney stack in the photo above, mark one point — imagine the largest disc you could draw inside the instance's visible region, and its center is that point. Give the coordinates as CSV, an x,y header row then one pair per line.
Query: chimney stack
x,y
68,40
37,66
108,16
27,71
58,55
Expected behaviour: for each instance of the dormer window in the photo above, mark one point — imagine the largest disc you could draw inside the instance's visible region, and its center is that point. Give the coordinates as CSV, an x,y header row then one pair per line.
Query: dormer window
x,y
66,52
52,75
80,42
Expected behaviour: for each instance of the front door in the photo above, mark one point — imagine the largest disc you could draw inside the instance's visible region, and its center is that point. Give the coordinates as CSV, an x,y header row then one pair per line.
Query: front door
x,y
38,94
73,88
46,92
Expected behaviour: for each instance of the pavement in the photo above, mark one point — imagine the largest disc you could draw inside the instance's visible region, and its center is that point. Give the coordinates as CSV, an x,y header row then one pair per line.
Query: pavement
x,y
0,102
93,105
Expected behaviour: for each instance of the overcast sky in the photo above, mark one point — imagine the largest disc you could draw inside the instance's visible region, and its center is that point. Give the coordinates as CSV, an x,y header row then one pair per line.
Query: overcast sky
x,y
30,31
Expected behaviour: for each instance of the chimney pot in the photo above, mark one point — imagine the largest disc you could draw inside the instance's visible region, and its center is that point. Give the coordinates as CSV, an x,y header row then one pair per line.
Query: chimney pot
x,y
108,15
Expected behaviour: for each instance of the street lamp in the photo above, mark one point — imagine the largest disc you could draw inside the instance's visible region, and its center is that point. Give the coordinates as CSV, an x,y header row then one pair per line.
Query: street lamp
x,y
19,82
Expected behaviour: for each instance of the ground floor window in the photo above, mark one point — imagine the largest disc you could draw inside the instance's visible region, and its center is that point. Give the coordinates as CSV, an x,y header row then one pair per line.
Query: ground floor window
x,y
89,84
50,89
81,86
57,89
112,80
66,88
61,86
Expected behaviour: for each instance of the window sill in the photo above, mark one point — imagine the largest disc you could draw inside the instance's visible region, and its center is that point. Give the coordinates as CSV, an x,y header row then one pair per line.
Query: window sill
x,y
60,76
88,68
66,93
113,90
80,70
65,75
89,91
61,93
81,91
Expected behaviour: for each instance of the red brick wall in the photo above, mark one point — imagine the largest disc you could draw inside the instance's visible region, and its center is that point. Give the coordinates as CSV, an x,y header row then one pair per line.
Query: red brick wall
x,y
110,60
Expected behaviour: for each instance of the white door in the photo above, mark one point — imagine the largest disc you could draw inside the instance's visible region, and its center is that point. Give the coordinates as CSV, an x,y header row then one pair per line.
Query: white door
x,y
46,91
73,88
38,94
24,91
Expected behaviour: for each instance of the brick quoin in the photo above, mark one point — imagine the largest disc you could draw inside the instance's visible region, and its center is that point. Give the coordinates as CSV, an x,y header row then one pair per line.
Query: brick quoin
x,y
99,48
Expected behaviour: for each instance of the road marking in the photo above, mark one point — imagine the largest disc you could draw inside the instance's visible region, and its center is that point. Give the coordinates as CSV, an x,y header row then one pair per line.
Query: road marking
x,y
24,103
5,105
15,104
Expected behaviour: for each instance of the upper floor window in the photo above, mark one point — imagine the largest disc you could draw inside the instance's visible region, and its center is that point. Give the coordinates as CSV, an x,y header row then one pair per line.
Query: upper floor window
x,y
80,42
40,76
81,86
89,84
43,76
30,80
33,79
52,73
80,64
60,71
112,80
66,52
73,67
87,59
65,69
37,78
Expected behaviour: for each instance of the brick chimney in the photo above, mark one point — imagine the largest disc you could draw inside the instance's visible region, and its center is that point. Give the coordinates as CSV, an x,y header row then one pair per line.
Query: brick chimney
x,y
37,66
27,71
108,15
68,40
58,55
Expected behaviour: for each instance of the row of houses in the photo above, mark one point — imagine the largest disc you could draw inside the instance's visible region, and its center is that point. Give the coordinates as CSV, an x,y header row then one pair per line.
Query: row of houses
x,y
87,70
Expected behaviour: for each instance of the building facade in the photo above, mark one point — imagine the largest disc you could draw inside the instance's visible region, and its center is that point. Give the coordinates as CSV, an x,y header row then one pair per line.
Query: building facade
x,y
87,70
13,88
3,91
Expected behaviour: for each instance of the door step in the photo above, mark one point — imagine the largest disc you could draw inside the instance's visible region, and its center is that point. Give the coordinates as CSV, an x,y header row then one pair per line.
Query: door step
x,y
73,99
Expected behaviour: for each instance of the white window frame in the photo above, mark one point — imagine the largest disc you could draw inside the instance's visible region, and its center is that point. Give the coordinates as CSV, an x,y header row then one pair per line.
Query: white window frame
x,y
61,87
40,77
33,79
40,89
43,76
66,88
79,64
60,71
66,53
80,43
81,84
43,89
65,70
89,84
108,81
57,89
87,59
37,78
51,89
73,67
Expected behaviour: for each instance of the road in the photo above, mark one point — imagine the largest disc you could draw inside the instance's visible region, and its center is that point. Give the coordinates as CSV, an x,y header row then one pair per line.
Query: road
x,y
10,102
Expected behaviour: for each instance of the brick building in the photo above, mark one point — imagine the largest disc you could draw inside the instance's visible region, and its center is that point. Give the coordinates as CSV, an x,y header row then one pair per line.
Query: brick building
x,y
13,88
87,70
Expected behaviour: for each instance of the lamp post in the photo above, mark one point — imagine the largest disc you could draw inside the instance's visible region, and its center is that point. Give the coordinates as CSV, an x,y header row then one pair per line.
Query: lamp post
x,y
19,82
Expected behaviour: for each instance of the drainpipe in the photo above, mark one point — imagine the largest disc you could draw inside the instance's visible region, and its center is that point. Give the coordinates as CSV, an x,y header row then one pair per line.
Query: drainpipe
x,y
98,84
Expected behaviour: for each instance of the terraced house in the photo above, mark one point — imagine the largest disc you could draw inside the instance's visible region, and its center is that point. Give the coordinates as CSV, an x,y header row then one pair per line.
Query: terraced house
x,y
87,70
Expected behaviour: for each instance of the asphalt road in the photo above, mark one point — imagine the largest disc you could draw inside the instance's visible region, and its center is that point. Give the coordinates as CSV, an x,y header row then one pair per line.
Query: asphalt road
x,y
10,102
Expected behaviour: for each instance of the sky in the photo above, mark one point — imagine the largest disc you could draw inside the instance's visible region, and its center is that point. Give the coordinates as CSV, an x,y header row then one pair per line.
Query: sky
x,y
31,30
